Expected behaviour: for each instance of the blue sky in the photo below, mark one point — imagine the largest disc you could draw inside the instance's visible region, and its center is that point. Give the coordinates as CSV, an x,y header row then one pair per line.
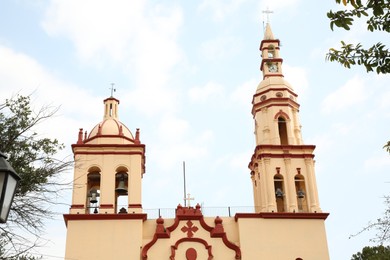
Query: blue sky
x,y
185,74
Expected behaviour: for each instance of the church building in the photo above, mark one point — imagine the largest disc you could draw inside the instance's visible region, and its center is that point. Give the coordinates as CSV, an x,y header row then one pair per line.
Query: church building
x,y
286,223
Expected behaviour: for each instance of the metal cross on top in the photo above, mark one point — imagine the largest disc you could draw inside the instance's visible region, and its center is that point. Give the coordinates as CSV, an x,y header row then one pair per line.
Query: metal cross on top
x,y
268,12
112,89
188,199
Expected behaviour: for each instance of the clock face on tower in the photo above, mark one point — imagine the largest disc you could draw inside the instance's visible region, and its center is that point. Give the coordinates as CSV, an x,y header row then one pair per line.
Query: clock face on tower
x,y
272,67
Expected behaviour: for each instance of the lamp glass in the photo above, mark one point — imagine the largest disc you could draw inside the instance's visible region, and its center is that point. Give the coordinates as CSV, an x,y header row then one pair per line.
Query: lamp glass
x,y
9,184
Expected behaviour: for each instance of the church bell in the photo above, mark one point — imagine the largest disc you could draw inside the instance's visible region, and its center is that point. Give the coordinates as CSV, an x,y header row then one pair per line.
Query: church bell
x,y
121,189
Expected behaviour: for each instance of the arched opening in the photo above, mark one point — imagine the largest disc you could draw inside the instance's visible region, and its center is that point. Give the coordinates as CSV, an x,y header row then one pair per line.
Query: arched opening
x,y
279,192
271,51
121,191
282,126
300,189
93,191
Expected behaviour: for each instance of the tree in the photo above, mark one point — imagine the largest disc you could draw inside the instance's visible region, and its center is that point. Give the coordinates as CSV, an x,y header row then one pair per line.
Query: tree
x,y
373,253
375,57
33,158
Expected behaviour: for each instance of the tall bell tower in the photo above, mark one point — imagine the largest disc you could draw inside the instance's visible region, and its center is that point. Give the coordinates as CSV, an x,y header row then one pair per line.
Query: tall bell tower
x,y
282,166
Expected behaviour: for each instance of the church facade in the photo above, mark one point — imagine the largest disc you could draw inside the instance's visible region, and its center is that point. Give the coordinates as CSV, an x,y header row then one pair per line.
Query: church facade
x,y
286,223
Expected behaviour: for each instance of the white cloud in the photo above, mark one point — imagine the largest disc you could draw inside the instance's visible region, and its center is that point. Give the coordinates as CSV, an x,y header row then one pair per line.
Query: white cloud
x,y
221,47
381,161
277,4
22,74
351,93
221,8
297,77
134,35
201,94
243,94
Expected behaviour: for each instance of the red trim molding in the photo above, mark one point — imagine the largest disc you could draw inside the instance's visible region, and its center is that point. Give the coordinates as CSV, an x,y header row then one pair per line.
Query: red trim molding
x,y
269,41
197,240
138,206
275,89
77,206
194,214
81,217
106,206
282,215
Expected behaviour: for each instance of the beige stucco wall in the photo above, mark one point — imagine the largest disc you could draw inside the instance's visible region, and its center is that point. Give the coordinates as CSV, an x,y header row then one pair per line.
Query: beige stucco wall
x,y
283,239
103,239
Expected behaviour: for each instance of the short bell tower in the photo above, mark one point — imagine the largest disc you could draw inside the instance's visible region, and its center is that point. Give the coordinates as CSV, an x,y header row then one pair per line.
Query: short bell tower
x,y
282,166
107,185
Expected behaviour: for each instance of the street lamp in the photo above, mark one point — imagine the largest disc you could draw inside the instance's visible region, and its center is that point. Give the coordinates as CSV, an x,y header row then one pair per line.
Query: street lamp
x,y
8,182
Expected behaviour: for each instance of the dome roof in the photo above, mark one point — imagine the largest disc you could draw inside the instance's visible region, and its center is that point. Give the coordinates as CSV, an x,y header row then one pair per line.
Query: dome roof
x,y
110,127
110,130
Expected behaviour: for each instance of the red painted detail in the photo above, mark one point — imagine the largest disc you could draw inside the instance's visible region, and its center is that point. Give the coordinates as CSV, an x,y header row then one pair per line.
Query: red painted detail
x,y
85,135
80,138
110,98
191,254
99,135
77,206
135,206
77,217
161,231
106,206
283,114
270,60
188,239
282,215
218,231
190,229
285,155
121,130
108,152
194,214
137,140
275,89
99,132
273,75
270,102
269,41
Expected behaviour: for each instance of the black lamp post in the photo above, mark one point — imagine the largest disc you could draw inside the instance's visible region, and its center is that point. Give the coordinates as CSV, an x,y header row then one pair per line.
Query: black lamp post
x,y
8,182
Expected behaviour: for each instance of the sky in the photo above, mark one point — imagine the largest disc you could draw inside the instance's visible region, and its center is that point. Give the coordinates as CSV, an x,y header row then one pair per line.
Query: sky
x,y
185,73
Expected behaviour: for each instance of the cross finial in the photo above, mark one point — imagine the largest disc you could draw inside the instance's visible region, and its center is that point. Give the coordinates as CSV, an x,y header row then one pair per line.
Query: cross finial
x,y
188,199
112,89
268,12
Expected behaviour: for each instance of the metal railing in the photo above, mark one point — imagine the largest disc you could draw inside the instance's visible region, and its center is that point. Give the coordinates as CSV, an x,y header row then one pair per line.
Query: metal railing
x,y
206,211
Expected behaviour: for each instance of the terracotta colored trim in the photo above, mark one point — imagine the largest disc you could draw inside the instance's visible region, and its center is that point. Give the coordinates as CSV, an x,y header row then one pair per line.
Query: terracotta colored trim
x,y
139,206
183,213
274,102
281,113
106,206
108,146
285,147
188,239
77,206
111,98
270,60
109,152
275,89
109,136
81,217
269,41
270,155
282,215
